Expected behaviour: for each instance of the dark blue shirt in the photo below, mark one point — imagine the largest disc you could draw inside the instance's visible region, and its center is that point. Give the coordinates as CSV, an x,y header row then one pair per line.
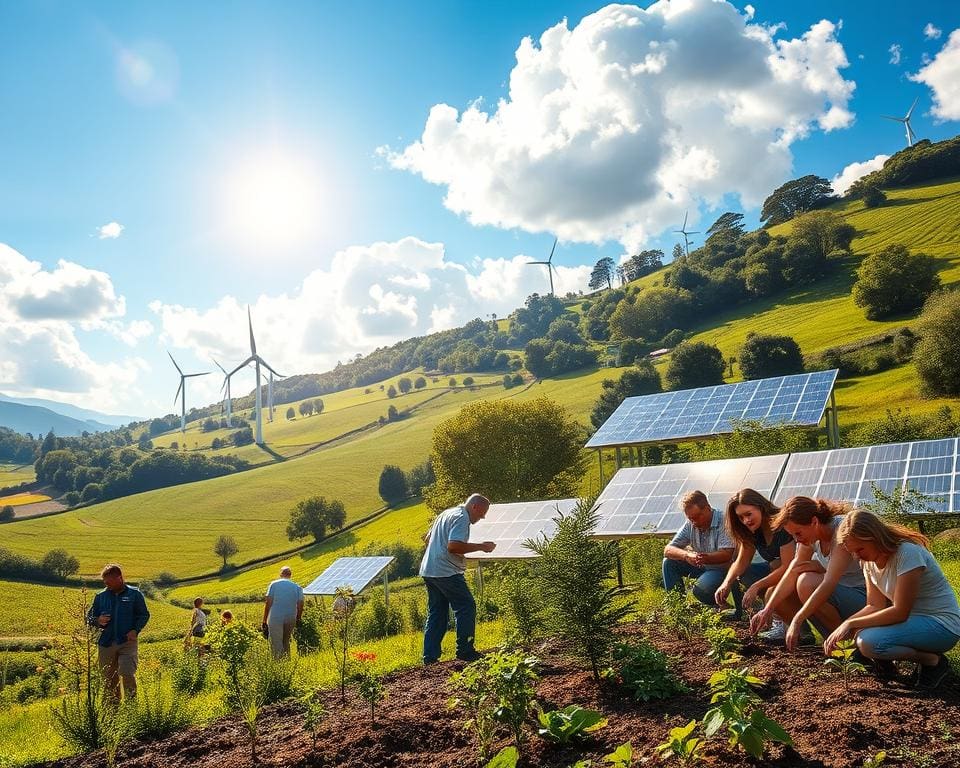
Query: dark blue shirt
x,y
128,610
771,551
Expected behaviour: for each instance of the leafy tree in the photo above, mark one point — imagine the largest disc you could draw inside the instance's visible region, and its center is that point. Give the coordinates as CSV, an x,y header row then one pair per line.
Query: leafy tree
x,y
392,413
824,231
225,547
642,263
535,357
537,456
872,196
60,563
468,381
677,253
318,406
452,382
391,391
893,281
405,385
643,380
937,354
306,408
313,516
532,320
420,477
291,414
49,443
91,492
695,364
419,383
654,312
603,272
7,513
762,356
795,197
563,329
728,222
393,484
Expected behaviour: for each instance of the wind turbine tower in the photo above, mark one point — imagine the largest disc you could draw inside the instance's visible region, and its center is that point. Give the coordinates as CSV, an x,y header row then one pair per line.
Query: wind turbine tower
x,y
686,235
257,361
183,388
549,264
911,136
226,387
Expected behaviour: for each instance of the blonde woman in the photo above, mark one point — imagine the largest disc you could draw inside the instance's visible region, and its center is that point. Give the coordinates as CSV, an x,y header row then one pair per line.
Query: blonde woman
x,y
912,612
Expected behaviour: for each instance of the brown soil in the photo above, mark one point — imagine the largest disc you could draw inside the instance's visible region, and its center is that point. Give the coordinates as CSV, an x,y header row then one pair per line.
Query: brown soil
x,y
416,729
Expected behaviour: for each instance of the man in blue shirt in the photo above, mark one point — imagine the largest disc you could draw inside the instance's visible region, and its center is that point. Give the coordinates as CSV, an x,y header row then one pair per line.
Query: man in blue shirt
x,y
282,611
442,569
120,612
701,549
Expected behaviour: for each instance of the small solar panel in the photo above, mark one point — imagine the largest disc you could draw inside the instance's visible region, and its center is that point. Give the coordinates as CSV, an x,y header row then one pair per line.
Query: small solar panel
x,y
848,474
645,501
510,525
354,572
693,413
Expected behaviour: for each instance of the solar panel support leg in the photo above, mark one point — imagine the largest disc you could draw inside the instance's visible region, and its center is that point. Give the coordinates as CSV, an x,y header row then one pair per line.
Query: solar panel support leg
x,y
619,458
480,580
600,458
619,567
386,591
836,423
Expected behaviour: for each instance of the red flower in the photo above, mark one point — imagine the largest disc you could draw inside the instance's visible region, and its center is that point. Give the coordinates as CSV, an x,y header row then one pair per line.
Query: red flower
x,y
364,656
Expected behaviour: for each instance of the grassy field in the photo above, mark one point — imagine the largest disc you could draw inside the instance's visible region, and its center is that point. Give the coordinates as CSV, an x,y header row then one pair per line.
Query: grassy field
x,y
14,474
19,499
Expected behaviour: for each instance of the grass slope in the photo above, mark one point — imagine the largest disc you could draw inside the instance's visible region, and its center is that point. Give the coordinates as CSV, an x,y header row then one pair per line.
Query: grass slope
x,y
14,474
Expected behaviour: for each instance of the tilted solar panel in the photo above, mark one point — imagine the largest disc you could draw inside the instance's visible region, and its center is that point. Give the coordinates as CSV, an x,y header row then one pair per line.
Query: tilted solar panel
x,y
354,572
708,411
847,474
510,525
644,501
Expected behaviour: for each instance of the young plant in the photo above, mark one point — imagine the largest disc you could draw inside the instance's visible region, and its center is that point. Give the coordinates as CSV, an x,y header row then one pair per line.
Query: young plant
x,y
505,758
876,760
522,602
842,659
736,707
621,757
344,604
682,745
645,671
474,694
573,722
313,713
724,646
369,683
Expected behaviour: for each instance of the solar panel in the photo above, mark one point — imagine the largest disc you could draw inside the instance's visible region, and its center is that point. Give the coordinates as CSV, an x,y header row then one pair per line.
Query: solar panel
x,y
509,525
354,572
644,501
846,474
693,413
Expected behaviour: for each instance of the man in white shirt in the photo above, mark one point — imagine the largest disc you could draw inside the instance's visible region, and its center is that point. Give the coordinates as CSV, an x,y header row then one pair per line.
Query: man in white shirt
x,y
282,611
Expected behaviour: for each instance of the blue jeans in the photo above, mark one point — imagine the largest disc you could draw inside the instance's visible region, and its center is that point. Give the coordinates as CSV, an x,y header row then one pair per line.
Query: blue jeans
x,y
898,641
708,580
442,595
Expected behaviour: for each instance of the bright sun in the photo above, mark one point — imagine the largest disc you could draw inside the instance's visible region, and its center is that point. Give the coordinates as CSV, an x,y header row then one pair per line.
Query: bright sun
x,y
272,199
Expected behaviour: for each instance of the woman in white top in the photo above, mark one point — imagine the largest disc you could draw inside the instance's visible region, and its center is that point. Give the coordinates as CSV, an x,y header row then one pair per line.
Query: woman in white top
x,y
912,612
198,619
826,578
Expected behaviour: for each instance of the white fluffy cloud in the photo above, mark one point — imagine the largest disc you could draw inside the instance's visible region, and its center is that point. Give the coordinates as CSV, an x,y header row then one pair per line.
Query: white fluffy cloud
x,y
371,296
931,32
842,181
39,313
896,53
110,231
613,128
942,75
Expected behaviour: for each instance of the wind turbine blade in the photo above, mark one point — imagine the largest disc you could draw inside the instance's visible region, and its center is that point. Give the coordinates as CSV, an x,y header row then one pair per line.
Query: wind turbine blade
x,y
910,111
685,214
218,366
538,262
890,117
550,259
191,375
911,136
174,363
695,232
264,364
242,365
177,396
253,343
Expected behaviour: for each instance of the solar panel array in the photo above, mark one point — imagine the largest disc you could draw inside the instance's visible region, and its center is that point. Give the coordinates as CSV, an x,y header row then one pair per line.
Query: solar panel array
x,y
644,501
707,411
354,572
847,474
510,525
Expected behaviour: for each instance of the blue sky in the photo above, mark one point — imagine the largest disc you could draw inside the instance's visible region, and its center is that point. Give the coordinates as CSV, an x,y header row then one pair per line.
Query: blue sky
x,y
270,154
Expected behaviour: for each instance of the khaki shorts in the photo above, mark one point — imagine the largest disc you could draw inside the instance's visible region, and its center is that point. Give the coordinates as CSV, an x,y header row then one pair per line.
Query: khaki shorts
x,y
122,658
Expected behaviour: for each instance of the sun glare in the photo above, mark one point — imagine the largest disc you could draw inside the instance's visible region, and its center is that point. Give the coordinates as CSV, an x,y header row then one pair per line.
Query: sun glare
x,y
272,199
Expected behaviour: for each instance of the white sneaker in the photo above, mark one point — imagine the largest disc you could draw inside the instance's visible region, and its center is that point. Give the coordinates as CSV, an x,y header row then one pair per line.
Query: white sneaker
x,y
777,632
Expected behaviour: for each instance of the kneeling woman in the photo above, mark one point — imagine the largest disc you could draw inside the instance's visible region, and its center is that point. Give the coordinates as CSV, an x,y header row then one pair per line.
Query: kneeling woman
x,y
911,612
749,521
824,577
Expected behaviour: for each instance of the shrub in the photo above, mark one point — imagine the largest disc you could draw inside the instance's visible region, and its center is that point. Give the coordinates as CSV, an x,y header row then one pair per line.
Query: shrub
x,y
164,579
189,673
156,712
291,414
562,726
393,484
643,380
7,514
937,354
468,381
695,364
71,498
313,516
375,620
894,281
419,383
522,601
309,634
404,385
59,563
391,391
645,671
903,343
764,356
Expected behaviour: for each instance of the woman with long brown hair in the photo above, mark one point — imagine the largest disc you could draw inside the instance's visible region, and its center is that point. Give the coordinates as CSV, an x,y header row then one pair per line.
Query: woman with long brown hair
x,y
824,577
912,612
749,521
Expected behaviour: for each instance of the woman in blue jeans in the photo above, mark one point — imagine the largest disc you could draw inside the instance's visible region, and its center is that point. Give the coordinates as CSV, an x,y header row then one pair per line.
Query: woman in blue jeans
x,y
911,612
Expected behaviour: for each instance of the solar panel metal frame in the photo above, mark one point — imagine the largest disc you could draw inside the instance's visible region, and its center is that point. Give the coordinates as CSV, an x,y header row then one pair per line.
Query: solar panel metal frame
x,y
694,414
358,573
509,525
645,501
932,467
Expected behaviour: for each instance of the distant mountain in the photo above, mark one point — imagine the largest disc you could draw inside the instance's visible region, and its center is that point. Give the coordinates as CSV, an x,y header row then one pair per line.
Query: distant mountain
x,y
38,421
72,411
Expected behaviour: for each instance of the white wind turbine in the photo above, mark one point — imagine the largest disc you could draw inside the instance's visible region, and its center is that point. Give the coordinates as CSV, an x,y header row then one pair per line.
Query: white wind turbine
x,y
226,388
549,264
257,361
911,136
686,235
183,388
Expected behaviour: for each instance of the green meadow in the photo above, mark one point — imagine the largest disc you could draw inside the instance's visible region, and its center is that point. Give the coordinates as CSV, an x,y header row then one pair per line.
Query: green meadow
x,y
14,474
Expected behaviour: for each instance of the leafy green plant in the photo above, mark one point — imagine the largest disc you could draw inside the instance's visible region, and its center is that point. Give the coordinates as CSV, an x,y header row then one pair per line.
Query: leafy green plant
x,y
736,707
682,613
572,722
645,671
311,704
344,604
369,682
682,745
900,505
724,646
842,659
475,695
505,758
189,672
522,601
876,760
621,757
157,711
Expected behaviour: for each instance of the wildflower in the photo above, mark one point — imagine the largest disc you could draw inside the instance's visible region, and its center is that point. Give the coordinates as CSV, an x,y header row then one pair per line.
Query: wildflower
x,y
61,690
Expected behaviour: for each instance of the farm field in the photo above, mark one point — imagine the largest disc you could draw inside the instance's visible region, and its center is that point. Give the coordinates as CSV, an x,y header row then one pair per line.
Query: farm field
x,y
14,474
21,499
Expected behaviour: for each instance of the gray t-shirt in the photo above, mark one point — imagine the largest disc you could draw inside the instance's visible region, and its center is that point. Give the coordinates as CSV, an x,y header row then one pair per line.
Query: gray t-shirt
x,y
713,539
286,594
853,576
451,525
935,598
